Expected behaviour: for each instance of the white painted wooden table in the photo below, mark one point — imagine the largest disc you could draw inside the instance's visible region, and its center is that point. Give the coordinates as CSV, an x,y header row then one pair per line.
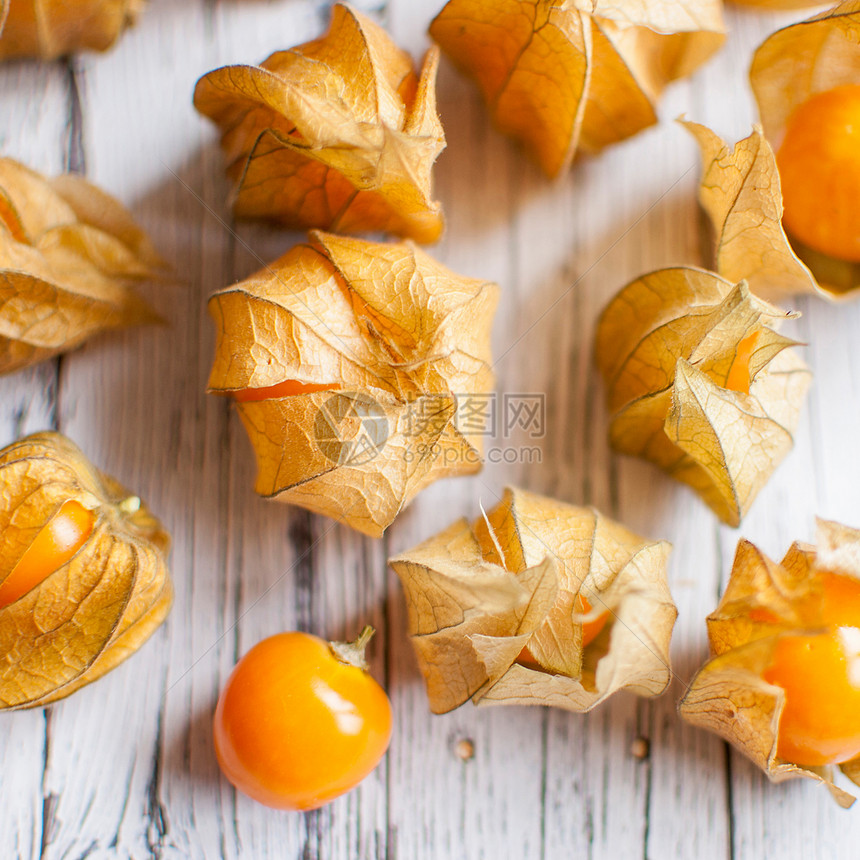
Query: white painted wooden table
x,y
125,768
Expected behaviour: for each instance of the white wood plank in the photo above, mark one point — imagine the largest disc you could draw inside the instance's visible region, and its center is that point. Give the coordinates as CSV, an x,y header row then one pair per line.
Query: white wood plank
x,y
34,105
134,402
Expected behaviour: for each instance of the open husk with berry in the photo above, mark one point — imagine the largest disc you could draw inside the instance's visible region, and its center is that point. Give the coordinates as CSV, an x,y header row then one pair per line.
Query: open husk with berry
x,y
700,383
541,603
781,684
83,577
783,201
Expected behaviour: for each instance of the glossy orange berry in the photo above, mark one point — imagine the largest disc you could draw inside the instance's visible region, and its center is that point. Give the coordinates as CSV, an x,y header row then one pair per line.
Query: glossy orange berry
x,y
840,600
55,544
819,168
287,388
739,373
820,674
301,721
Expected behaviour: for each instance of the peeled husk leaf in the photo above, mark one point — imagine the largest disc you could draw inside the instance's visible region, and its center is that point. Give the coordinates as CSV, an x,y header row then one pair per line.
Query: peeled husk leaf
x,y
68,255
802,59
763,601
338,133
51,28
403,344
740,192
789,67
96,610
666,346
575,74
478,595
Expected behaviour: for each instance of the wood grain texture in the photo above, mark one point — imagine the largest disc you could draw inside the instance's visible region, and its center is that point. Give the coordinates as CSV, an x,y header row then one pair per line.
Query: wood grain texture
x,y
125,768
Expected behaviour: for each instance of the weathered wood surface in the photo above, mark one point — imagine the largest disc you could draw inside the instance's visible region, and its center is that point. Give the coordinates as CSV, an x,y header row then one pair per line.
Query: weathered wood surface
x,y
125,768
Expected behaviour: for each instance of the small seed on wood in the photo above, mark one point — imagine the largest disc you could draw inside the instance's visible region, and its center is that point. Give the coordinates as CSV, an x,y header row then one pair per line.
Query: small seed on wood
x,y
465,749
640,748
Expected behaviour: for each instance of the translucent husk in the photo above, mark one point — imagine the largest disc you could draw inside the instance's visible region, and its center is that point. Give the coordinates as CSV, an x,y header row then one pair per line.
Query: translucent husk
x,y
763,601
670,346
398,347
338,133
68,256
567,75
94,611
740,189
478,595
52,28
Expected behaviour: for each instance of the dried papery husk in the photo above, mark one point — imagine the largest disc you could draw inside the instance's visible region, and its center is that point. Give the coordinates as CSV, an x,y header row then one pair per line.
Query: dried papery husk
x,y
567,76
763,601
792,65
802,59
93,612
741,194
338,133
398,348
670,347
48,29
68,256
478,595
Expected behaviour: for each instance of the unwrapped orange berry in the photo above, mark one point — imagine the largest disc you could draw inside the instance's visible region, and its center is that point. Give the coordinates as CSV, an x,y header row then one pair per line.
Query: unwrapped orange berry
x,y
820,673
819,167
301,721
